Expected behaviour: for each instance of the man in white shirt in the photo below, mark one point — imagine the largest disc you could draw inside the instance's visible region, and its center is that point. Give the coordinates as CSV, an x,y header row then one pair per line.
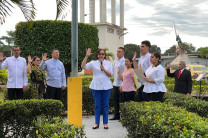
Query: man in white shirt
x,y
17,75
143,63
119,63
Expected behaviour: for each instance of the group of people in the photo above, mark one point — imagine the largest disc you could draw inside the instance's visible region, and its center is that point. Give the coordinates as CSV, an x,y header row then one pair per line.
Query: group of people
x,y
125,85
18,69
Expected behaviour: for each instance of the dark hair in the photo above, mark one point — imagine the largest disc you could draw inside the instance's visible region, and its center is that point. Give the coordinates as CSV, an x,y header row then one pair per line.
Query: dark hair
x,y
33,59
147,43
99,52
130,59
15,47
157,55
122,49
54,50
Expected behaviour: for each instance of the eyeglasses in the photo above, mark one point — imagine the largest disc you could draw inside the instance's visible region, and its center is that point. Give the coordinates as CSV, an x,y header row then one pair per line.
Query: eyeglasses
x,y
37,60
101,54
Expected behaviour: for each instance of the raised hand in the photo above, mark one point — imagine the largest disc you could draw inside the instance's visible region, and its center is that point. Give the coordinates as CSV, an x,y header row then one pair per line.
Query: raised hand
x,y
134,57
1,56
88,52
29,59
44,57
168,65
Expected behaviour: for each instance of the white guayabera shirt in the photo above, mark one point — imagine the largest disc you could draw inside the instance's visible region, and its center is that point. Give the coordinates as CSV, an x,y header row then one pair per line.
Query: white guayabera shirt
x,y
17,75
100,80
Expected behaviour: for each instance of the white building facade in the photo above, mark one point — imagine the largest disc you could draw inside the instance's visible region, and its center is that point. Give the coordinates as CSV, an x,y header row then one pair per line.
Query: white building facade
x,y
110,35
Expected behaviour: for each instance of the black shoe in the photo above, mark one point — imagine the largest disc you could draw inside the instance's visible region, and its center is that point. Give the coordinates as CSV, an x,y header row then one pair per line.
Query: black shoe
x,y
115,118
95,127
105,127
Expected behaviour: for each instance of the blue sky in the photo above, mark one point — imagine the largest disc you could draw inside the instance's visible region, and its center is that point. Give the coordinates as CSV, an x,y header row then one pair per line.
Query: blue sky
x,y
145,20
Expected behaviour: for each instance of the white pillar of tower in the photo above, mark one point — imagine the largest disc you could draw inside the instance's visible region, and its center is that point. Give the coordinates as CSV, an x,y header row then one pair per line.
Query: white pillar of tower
x,y
122,13
92,11
113,11
102,11
82,9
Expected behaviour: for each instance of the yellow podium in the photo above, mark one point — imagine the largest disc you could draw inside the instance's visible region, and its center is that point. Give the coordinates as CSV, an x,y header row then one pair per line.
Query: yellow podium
x,y
74,100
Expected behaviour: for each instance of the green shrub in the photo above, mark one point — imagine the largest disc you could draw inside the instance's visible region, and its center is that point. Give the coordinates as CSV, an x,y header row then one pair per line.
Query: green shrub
x,y
57,34
3,76
155,119
189,103
57,127
18,116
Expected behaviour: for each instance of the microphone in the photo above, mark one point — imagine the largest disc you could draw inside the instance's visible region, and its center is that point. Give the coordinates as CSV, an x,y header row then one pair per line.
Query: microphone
x,y
101,63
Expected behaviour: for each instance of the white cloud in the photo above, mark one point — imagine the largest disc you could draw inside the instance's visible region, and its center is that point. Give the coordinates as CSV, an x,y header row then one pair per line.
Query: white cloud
x,y
144,19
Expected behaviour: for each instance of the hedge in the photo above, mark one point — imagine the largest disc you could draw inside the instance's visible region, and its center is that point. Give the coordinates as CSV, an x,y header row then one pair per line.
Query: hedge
x,y
57,127
155,119
88,103
3,76
18,116
43,36
87,99
191,104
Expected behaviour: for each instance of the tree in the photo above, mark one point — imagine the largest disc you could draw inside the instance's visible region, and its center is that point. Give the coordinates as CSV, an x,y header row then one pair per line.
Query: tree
x,y
154,48
171,50
28,8
130,49
204,52
188,48
10,38
6,50
109,54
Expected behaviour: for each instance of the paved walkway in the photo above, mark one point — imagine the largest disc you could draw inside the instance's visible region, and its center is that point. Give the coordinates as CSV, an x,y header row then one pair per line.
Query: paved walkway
x,y
116,130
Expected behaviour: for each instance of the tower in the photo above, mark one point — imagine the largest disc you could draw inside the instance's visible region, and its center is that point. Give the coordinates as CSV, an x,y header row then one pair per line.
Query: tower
x,y
110,35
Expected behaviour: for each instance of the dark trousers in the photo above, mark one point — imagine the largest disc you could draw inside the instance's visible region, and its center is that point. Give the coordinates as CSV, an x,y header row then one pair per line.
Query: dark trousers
x,y
53,93
129,96
117,98
155,96
140,95
15,93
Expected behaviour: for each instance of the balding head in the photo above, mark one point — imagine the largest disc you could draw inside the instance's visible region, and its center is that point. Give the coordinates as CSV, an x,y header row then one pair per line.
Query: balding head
x,y
181,65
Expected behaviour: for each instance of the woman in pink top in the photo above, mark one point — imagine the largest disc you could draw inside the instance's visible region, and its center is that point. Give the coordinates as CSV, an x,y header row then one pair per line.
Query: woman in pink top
x,y
128,87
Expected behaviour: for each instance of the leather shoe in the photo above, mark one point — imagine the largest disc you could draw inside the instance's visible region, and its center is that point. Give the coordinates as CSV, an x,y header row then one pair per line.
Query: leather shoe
x,y
95,127
115,118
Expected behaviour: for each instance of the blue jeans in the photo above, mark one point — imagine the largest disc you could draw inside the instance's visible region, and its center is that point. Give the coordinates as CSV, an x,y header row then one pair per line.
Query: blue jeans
x,y
101,97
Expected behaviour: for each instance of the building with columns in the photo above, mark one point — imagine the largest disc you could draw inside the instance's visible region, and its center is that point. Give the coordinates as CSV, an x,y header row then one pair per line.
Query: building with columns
x,y
110,35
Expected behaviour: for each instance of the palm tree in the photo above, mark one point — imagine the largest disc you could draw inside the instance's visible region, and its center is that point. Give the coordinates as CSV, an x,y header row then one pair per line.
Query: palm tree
x,y
28,8
109,54
9,39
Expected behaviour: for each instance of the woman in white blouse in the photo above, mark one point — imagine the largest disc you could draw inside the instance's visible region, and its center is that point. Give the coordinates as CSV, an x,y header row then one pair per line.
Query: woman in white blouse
x,y
154,88
100,85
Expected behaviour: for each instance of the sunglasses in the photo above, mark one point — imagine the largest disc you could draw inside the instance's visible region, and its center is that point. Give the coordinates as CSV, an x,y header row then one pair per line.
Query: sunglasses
x,y
101,54
37,60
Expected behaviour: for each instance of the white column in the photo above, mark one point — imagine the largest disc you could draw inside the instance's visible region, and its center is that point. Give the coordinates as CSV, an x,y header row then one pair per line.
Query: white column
x,y
102,11
113,11
82,9
92,11
122,13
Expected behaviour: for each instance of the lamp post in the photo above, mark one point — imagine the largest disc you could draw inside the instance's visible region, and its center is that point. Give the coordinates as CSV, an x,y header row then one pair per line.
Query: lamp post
x,y
74,31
